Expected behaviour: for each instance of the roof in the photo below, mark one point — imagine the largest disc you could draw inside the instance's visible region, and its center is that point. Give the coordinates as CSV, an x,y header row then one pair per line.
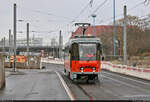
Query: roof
x,y
99,29
83,40
89,31
77,40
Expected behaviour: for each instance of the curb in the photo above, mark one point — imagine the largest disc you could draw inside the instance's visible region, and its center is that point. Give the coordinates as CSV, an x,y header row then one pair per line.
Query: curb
x,y
71,96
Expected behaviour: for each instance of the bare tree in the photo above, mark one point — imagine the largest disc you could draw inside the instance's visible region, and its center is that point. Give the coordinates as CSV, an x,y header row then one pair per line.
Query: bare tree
x,y
138,34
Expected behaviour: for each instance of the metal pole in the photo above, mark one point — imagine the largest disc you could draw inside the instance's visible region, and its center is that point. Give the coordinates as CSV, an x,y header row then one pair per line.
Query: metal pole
x,y
3,40
114,37
57,47
53,51
94,23
1,44
93,26
119,47
9,42
60,44
4,45
27,44
15,37
125,36
61,47
82,29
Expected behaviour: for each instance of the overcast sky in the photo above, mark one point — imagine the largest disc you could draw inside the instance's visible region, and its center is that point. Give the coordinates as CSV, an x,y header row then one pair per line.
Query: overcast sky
x,y
47,17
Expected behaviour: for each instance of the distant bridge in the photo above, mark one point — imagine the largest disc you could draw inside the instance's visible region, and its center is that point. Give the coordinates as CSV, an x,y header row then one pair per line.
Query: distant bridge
x,y
54,51
33,48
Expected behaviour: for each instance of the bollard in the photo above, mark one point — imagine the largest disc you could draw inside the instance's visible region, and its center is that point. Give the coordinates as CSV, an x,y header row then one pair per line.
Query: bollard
x,y
2,72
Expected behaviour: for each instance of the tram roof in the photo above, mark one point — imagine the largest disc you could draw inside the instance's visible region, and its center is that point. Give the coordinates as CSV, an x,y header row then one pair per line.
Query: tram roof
x,y
85,39
79,39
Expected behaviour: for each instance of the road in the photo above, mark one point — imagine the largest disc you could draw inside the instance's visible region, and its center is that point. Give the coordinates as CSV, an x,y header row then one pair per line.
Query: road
x,y
33,85
111,86
45,85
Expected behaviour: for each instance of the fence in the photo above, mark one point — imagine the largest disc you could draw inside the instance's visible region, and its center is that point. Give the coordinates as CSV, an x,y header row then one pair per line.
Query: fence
x,y
143,73
139,61
34,63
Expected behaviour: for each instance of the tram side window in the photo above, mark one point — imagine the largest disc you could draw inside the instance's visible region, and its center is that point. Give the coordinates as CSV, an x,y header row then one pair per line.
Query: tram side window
x,y
67,55
75,52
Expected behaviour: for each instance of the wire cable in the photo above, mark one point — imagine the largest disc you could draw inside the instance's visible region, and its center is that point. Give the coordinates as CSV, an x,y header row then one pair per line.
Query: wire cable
x,y
101,5
80,12
42,12
120,14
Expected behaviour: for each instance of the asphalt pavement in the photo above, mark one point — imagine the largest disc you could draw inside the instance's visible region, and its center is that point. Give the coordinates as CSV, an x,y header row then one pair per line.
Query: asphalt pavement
x,y
110,86
44,84
33,84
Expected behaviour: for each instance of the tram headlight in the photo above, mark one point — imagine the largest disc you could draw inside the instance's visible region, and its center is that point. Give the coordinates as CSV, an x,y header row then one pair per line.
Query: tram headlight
x,y
94,68
81,68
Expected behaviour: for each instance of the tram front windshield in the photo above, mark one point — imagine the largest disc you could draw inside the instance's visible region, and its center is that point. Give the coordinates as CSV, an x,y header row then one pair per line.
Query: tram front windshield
x,y
87,51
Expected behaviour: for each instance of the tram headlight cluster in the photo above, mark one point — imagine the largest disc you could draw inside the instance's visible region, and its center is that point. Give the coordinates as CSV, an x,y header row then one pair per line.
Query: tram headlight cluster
x,y
94,69
81,69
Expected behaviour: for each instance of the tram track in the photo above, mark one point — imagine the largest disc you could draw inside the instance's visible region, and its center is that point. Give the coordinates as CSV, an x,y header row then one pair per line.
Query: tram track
x,y
110,86
88,91
95,91
105,89
85,92
78,91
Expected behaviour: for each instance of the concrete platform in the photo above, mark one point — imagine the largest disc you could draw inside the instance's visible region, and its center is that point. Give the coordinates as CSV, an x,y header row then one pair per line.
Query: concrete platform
x,y
33,84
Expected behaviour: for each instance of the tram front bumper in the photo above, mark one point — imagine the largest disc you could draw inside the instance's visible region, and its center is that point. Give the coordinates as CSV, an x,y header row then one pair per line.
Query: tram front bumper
x,y
78,75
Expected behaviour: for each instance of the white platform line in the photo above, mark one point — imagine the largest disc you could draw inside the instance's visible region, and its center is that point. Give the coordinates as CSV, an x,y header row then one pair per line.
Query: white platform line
x,y
65,86
127,78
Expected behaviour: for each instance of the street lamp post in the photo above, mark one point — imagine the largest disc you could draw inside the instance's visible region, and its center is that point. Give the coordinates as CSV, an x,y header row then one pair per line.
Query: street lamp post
x,y
114,36
9,42
28,45
15,37
93,15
